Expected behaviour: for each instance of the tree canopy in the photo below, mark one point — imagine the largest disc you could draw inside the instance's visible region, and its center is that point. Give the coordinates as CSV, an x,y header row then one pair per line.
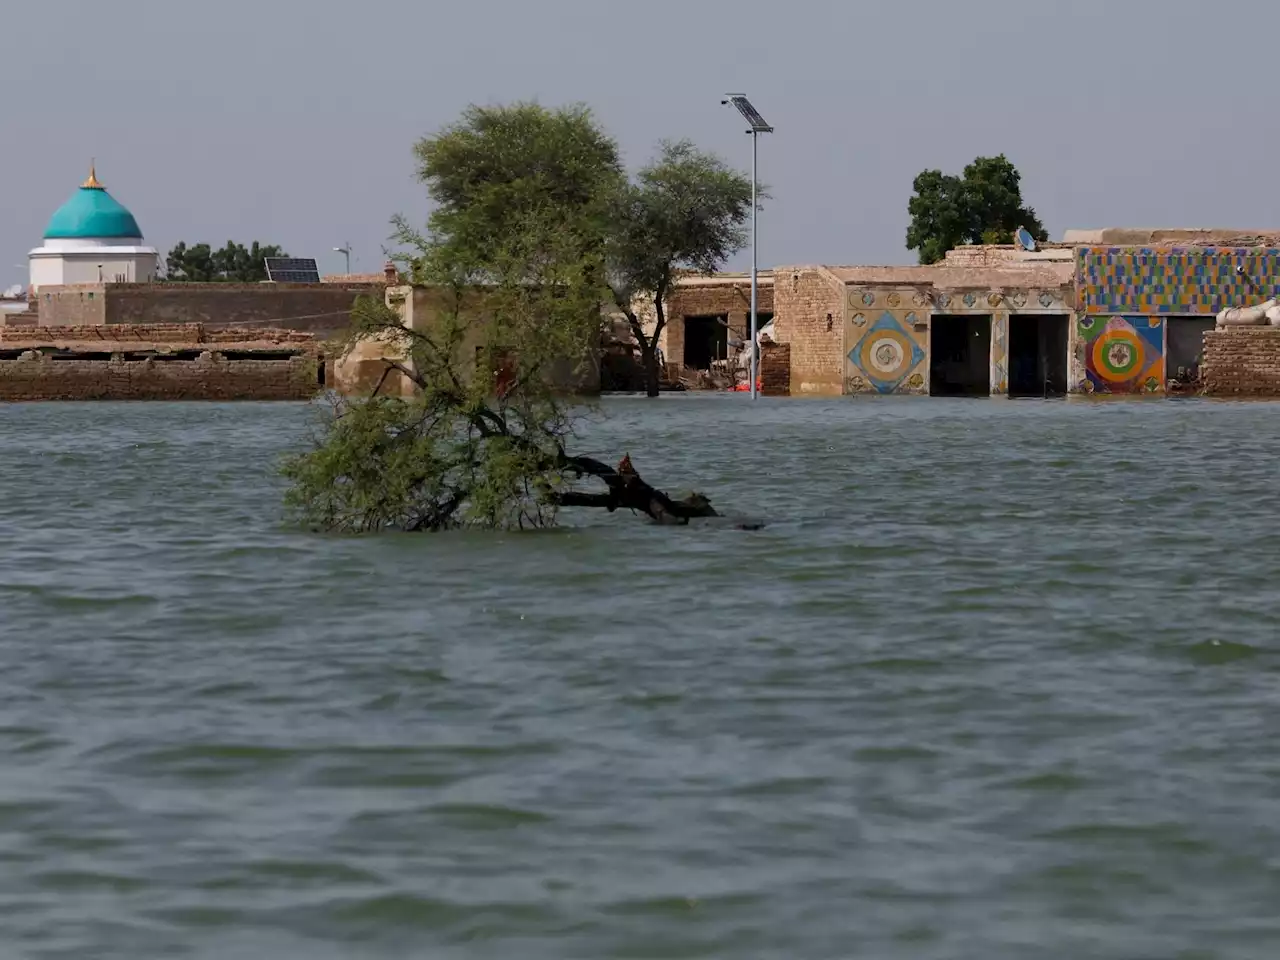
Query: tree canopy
x,y
519,171
983,205
516,256
686,210
234,263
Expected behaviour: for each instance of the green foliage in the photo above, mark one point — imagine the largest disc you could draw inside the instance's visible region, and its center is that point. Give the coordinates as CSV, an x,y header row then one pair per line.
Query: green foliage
x,y
685,210
535,229
984,205
513,171
234,263
515,258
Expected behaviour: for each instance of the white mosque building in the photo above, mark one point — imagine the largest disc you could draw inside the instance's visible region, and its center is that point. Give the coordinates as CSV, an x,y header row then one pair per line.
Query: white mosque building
x,y
92,238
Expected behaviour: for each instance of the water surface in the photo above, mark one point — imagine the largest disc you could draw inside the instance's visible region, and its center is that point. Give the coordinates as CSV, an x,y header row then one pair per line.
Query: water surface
x,y
997,680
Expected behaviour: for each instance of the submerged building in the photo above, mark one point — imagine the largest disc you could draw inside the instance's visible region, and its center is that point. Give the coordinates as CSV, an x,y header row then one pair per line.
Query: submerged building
x,y
1103,312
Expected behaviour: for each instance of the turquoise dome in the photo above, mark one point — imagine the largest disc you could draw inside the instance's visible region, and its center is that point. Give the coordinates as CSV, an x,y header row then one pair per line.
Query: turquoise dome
x,y
92,214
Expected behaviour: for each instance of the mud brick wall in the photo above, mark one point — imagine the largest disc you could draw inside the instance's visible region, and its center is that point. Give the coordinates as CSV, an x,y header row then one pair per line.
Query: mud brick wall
x,y
103,336
206,378
1242,361
810,316
323,309
775,369
732,301
73,305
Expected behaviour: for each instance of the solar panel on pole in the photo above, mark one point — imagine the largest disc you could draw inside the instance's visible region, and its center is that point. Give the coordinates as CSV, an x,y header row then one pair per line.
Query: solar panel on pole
x,y
292,270
750,113
758,126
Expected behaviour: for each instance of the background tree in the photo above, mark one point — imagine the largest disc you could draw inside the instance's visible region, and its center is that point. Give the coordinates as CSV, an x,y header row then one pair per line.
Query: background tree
x,y
234,263
686,210
984,205
516,252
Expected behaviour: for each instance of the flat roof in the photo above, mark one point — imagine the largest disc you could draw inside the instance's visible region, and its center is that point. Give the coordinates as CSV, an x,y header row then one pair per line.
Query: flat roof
x,y
1169,236
1041,274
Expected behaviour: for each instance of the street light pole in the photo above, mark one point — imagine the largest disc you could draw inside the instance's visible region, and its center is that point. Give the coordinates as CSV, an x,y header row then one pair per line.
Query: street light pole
x,y
758,126
755,269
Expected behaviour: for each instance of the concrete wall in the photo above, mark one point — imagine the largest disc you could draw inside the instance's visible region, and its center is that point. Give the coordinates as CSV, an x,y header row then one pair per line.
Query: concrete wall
x,y
809,314
72,267
1242,361
323,309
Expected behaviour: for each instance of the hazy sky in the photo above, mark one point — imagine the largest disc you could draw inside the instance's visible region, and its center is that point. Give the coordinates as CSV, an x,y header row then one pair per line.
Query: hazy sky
x,y
292,121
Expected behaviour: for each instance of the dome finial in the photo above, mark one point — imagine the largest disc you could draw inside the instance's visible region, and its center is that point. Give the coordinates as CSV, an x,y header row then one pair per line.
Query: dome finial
x,y
92,183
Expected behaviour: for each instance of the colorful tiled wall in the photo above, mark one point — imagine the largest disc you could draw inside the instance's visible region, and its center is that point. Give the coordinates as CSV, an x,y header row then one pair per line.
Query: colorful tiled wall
x,y
1139,280
887,352
1120,354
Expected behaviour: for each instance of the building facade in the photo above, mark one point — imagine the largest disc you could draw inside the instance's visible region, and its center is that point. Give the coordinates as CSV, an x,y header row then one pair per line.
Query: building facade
x,y
1076,317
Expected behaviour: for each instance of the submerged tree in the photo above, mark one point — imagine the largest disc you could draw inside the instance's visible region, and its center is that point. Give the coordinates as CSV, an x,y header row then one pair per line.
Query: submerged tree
x,y
686,210
516,257
984,205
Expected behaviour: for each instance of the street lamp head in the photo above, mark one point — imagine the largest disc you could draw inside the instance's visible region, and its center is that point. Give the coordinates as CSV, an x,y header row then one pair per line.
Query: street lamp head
x,y
749,112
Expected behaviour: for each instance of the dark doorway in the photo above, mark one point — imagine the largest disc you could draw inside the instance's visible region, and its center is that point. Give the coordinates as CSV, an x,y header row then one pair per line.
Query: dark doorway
x,y
959,356
705,339
1184,347
1038,356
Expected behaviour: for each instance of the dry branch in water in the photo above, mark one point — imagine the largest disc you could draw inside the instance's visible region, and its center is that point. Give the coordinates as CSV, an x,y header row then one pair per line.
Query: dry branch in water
x,y
628,491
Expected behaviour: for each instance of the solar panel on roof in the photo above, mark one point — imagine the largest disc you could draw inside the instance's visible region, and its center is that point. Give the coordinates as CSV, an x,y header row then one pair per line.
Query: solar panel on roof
x,y
292,270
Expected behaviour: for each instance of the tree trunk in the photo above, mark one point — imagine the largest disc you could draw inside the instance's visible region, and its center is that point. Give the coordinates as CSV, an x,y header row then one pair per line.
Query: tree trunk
x,y
652,375
628,491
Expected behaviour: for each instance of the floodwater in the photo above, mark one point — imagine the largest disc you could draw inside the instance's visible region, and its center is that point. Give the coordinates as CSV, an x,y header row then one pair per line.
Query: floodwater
x,y
998,680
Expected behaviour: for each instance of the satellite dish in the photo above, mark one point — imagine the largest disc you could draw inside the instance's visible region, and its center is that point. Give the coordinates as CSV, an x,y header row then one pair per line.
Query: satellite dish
x,y
1025,240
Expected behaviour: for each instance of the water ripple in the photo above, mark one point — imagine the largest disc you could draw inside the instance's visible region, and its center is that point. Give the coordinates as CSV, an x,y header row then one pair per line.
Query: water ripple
x,y
992,682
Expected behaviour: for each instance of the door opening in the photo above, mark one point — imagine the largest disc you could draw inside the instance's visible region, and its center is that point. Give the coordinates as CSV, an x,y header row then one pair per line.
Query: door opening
x,y
1038,356
960,356
705,339
1184,347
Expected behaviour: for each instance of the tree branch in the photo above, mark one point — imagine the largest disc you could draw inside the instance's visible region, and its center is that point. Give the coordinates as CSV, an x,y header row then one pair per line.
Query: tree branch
x,y
628,491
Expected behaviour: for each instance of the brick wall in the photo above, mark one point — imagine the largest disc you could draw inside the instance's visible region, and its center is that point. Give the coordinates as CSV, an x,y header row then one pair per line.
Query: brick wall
x,y
1242,361
157,362
775,369
323,309
809,314
205,378
94,337
732,300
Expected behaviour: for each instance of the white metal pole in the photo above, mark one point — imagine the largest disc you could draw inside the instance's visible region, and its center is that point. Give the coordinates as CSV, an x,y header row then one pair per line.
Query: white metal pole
x,y
755,347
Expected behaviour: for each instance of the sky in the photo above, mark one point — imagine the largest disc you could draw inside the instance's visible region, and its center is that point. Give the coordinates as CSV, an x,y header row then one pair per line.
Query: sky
x,y
292,121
